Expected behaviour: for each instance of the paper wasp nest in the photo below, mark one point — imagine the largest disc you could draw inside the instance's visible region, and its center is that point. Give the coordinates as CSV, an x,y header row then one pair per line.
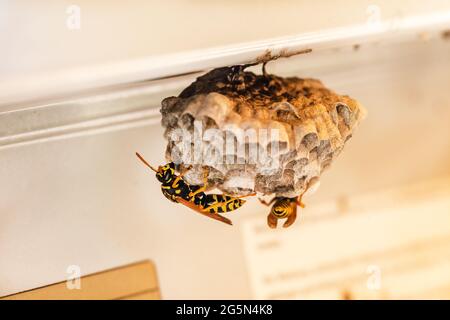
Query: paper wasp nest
x,y
257,133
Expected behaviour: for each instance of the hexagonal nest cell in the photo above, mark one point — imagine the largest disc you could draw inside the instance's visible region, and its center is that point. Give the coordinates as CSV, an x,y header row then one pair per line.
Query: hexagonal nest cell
x,y
257,133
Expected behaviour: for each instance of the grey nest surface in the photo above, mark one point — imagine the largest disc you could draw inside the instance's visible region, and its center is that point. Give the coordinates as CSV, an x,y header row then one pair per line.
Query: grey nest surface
x,y
257,133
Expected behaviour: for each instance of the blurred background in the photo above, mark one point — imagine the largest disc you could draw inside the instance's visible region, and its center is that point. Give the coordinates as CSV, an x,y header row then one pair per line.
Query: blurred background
x,y
80,90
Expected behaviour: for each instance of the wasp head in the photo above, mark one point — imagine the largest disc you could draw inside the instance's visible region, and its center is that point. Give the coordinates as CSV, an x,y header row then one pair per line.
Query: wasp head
x,y
165,173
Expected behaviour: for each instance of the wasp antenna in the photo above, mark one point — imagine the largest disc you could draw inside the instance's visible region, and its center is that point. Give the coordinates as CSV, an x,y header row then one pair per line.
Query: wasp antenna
x,y
247,195
145,162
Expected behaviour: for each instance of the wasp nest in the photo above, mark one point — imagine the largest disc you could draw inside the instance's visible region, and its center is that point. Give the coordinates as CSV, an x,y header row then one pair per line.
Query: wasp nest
x,y
256,133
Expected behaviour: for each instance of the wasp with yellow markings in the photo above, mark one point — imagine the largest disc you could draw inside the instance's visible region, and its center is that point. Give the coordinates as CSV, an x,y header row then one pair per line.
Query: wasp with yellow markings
x,y
177,190
283,208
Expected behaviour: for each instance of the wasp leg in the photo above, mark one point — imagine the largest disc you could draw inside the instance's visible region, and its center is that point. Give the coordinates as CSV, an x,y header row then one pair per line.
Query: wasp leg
x,y
214,216
202,188
291,218
299,201
272,221
248,195
180,177
186,170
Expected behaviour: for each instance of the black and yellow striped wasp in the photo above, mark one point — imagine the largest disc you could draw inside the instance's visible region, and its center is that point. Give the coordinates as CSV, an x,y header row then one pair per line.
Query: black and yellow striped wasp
x,y
283,208
177,190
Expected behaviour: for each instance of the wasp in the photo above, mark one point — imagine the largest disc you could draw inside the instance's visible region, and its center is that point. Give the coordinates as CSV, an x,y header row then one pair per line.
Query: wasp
x,y
283,208
177,190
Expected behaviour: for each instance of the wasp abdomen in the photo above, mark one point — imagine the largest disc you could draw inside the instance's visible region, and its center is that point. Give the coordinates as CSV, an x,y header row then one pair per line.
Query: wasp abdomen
x,y
217,203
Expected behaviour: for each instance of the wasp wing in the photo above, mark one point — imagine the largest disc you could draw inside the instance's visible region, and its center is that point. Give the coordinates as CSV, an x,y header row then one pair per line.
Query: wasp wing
x,y
214,216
